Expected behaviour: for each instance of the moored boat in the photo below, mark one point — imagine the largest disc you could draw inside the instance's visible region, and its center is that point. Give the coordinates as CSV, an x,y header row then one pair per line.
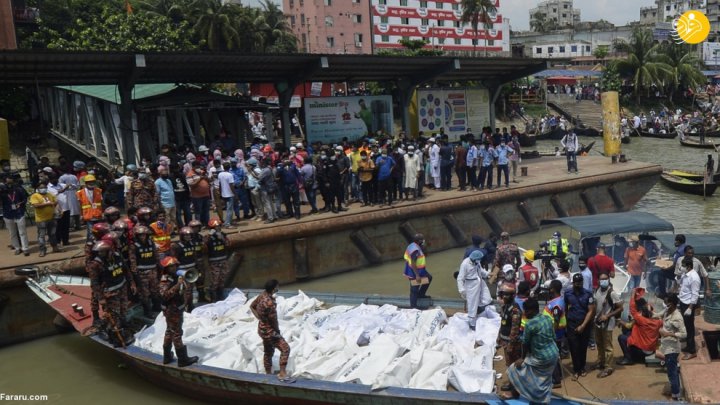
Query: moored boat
x,y
587,131
693,175
554,134
697,144
526,140
667,135
688,186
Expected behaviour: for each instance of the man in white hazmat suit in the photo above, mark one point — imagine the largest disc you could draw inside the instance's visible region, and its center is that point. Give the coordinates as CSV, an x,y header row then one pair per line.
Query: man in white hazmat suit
x,y
472,286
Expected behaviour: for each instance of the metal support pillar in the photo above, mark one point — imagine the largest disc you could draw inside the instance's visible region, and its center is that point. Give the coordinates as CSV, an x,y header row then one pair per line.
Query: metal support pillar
x,y
404,95
126,124
495,90
285,93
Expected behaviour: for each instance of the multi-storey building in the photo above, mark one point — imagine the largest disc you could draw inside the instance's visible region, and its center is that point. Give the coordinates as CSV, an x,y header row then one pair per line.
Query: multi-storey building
x,y
330,26
561,11
667,10
713,14
439,23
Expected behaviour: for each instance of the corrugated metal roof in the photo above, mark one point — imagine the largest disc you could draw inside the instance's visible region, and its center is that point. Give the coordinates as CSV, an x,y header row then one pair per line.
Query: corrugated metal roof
x,y
110,93
568,73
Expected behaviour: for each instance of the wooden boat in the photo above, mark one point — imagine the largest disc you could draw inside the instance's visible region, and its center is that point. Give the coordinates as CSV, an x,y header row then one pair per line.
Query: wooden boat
x,y
696,143
688,186
554,134
668,135
625,139
537,154
692,175
527,140
587,131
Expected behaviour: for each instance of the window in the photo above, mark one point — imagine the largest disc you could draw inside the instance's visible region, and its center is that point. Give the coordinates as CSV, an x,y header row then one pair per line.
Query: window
x,y
357,18
330,42
441,41
292,3
538,50
304,39
474,42
667,8
358,39
425,21
405,21
440,23
423,4
550,49
328,21
302,20
562,48
564,15
328,3
356,1
385,38
455,6
383,20
403,3
292,21
457,41
587,48
456,24
565,6
438,5
301,3
404,38
554,10
573,48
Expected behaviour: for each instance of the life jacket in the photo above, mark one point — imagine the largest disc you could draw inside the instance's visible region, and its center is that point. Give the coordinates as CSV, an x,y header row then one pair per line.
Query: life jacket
x,y
145,256
161,237
558,302
216,248
198,242
112,277
419,262
186,255
531,274
91,210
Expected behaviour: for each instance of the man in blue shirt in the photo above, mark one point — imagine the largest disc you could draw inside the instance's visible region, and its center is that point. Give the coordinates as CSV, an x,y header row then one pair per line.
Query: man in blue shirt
x,y
164,188
580,311
503,152
486,155
385,165
241,191
14,198
290,179
472,164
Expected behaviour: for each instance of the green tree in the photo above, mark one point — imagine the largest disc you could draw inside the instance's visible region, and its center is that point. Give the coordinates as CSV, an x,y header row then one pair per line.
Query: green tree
x,y
600,52
684,67
124,32
215,24
276,33
476,12
176,10
610,79
412,47
540,23
641,65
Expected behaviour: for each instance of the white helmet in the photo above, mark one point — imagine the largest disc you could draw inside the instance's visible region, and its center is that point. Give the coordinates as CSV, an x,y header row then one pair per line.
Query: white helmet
x,y
203,148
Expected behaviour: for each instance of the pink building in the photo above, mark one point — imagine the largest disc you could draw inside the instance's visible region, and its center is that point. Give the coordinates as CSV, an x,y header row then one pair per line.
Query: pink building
x,y
330,26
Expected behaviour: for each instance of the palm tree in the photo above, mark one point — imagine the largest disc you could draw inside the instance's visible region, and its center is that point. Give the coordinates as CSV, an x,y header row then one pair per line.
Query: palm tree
x,y
684,67
176,10
476,12
277,33
641,64
214,24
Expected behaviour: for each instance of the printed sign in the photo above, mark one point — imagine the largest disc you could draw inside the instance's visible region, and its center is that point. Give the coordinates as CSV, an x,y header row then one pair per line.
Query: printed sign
x,y
330,119
454,110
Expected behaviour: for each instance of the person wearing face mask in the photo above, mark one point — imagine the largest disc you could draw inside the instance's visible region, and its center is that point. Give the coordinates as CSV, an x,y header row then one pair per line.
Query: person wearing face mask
x,y
161,235
503,153
688,295
413,172
264,308
44,204
472,286
143,192
586,273
385,165
635,259
609,306
91,201
509,336
166,193
580,305
366,168
14,199
508,278
673,329
415,270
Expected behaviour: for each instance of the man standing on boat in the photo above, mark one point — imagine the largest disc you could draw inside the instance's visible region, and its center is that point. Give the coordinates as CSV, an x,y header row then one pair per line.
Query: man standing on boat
x,y
415,270
472,286
265,310
580,311
571,146
601,264
507,253
172,291
114,301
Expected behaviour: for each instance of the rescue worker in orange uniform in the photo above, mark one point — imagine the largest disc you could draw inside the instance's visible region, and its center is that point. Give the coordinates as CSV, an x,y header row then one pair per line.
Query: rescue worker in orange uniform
x,y
90,198
161,235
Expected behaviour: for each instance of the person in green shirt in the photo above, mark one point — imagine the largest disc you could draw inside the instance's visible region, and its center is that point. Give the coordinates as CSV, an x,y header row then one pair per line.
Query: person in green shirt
x,y
531,376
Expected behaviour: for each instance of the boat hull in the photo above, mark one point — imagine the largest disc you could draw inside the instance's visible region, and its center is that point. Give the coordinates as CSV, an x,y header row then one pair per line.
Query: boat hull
x,y
554,134
669,135
696,144
527,140
688,186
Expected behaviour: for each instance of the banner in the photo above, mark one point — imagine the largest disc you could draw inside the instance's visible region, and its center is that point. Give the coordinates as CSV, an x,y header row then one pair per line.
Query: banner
x,y
330,119
454,110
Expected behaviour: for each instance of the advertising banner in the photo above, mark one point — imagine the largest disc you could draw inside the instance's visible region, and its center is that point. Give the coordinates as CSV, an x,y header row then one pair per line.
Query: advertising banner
x,y
455,110
329,119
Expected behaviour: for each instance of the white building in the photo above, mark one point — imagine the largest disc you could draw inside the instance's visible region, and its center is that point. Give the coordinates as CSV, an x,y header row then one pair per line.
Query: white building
x,y
668,10
594,38
561,11
570,49
437,22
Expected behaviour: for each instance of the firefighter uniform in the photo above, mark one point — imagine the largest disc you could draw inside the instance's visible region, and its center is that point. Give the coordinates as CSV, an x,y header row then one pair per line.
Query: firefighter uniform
x,y
143,194
216,244
145,270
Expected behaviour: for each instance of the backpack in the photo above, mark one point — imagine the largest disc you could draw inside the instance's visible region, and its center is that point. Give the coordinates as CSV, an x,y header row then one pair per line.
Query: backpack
x,y
309,182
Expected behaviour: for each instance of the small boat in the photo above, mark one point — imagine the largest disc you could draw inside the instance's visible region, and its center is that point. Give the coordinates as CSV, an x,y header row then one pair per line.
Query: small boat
x,y
555,134
693,175
688,186
537,154
527,140
587,131
625,139
668,135
697,144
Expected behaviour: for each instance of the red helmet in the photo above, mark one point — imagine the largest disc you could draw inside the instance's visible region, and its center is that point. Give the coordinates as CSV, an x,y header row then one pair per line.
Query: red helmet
x,y
168,261
101,247
194,224
186,230
214,222
144,211
120,225
141,230
110,212
100,229
110,237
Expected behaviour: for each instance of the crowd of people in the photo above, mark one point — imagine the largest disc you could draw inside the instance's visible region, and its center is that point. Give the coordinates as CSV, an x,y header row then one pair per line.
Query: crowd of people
x,y
582,310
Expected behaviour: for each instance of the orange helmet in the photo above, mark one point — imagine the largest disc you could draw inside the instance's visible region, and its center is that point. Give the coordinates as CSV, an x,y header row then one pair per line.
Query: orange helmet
x,y
214,222
141,230
168,261
100,229
120,225
144,211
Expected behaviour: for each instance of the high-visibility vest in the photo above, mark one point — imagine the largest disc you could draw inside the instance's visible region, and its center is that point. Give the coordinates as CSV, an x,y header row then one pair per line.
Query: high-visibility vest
x,y
91,210
419,262
161,237
553,246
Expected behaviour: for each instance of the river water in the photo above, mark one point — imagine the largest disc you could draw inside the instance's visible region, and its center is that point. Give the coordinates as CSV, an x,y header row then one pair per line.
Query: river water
x,y
72,370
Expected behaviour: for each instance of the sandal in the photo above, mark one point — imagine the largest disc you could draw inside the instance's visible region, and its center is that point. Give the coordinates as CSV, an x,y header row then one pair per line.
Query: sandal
x,y
287,379
583,373
689,356
605,373
575,377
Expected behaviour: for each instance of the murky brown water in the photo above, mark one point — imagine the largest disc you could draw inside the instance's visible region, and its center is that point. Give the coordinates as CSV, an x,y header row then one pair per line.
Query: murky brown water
x,y
73,370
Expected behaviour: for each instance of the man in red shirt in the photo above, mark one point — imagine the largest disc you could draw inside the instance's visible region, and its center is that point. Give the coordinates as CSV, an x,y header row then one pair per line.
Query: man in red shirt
x,y
643,335
601,264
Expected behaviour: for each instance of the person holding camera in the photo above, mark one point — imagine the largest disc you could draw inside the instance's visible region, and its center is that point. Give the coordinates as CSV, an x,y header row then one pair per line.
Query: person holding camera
x,y
14,199
172,291
610,306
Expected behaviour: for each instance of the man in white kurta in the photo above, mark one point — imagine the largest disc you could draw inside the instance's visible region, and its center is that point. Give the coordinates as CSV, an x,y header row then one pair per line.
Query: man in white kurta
x,y
71,185
472,286
435,162
413,169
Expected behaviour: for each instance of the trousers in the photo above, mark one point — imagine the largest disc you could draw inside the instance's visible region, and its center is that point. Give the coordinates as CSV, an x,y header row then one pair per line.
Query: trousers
x,y
269,346
578,344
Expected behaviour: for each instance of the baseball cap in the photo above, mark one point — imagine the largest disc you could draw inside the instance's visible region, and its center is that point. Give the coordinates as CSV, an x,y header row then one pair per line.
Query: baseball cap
x,y
577,277
601,246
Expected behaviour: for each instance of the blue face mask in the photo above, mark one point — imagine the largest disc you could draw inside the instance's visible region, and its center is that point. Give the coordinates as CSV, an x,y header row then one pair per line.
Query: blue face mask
x,y
604,284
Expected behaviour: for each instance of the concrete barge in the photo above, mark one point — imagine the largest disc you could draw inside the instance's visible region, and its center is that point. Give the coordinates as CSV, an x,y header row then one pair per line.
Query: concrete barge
x,y
326,244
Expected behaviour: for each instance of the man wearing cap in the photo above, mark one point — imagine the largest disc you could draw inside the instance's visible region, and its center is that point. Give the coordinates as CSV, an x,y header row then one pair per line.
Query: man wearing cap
x,y
601,264
635,259
72,185
90,198
472,286
434,163
415,269
509,336
507,253
580,312
413,172
558,246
